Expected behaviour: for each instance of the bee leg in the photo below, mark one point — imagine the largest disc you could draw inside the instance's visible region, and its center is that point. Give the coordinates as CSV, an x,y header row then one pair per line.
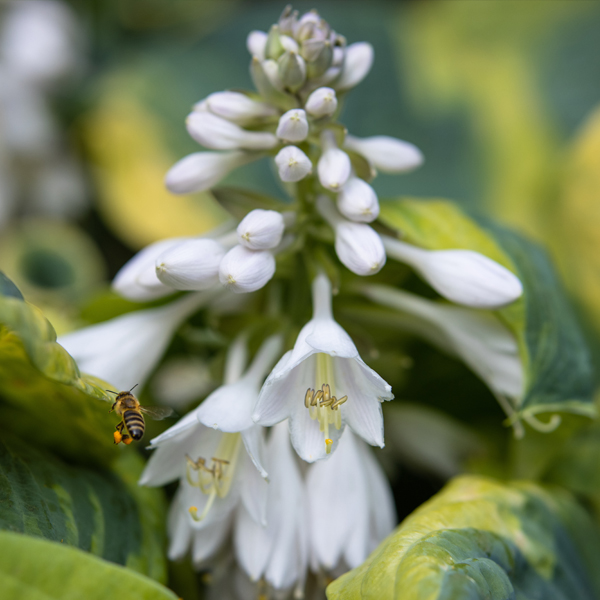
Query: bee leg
x,y
119,426
113,408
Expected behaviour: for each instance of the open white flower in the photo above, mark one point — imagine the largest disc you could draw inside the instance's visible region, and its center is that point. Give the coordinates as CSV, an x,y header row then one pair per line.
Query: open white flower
x,y
353,482
478,338
125,350
322,385
463,276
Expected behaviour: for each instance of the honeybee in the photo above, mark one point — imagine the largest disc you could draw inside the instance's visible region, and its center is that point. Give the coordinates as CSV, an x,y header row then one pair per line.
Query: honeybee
x,y
128,406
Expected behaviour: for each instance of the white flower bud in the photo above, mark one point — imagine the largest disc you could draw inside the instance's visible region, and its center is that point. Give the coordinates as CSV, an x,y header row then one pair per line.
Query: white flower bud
x,y
289,44
203,170
191,265
462,276
292,70
334,169
357,64
293,126
238,107
357,201
219,134
293,164
386,154
271,70
256,43
322,102
358,246
244,270
261,229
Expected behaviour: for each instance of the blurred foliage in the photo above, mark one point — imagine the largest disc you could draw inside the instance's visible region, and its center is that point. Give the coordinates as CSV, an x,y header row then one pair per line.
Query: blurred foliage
x,y
482,539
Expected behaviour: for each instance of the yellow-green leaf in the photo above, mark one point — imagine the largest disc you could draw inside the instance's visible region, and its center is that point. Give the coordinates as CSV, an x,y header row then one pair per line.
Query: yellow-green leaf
x,y
483,540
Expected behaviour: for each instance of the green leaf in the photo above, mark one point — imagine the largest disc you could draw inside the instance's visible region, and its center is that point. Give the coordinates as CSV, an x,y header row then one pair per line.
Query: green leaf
x,y
102,512
482,540
239,202
42,395
556,360
40,570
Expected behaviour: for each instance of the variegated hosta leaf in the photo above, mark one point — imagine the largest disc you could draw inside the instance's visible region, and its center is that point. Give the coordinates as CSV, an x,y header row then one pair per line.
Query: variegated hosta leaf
x,y
482,540
40,570
556,362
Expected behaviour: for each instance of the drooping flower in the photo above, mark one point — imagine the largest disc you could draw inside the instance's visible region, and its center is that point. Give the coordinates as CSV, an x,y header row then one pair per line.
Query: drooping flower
x,y
322,385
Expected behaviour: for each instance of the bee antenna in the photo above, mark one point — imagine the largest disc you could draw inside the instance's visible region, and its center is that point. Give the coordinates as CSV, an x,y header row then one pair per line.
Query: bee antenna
x,y
115,393
134,386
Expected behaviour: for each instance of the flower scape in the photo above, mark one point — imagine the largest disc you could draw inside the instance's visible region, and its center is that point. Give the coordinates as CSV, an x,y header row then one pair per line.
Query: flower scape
x,y
277,480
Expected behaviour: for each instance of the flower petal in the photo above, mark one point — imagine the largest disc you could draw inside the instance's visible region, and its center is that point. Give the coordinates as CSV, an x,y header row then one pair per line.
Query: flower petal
x,y
229,407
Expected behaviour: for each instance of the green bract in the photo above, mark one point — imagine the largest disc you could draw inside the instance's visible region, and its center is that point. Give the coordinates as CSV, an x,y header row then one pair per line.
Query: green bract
x,y
482,540
558,375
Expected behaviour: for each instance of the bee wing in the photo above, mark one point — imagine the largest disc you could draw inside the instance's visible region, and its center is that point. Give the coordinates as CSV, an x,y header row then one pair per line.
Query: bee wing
x,y
157,412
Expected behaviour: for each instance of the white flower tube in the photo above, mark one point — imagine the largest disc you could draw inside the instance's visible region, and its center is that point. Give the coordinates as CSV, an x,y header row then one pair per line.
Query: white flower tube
x,y
244,270
358,246
256,43
124,351
479,338
292,164
334,168
137,280
386,154
321,103
238,108
357,201
191,265
357,64
322,385
220,134
261,229
355,484
293,126
202,170
462,276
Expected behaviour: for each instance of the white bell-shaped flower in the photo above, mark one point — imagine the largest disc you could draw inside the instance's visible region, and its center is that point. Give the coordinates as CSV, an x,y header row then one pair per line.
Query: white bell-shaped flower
x,y
321,103
191,265
355,484
202,170
357,201
243,270
137,280
292,164
126,349
238,108
462,276
256,43
293,126
334,167
220,134
357,64
478,338
261,229
386,154
358,246
322,385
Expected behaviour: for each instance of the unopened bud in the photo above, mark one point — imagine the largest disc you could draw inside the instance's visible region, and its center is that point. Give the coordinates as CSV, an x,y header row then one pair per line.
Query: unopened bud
x,y
357,64
292,70
289,44
219,134
357,201
293,126
261,229
322,61
357,246
256,43
274,48
321,103
334,169
191,265
292,164
265,76
244,270
386,154
238,107
203,170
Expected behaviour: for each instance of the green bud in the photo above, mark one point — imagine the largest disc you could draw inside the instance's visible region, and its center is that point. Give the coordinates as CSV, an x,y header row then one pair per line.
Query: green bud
x,y
274,48
292,70
266,89
322,61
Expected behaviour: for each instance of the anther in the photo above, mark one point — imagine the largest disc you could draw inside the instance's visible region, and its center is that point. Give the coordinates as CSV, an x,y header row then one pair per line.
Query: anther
x,y
339,402
328,444
317,398
326,392
309,397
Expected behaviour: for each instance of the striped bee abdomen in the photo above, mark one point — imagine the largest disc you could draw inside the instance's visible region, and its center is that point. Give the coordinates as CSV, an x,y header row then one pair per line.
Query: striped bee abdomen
x,y
134,423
